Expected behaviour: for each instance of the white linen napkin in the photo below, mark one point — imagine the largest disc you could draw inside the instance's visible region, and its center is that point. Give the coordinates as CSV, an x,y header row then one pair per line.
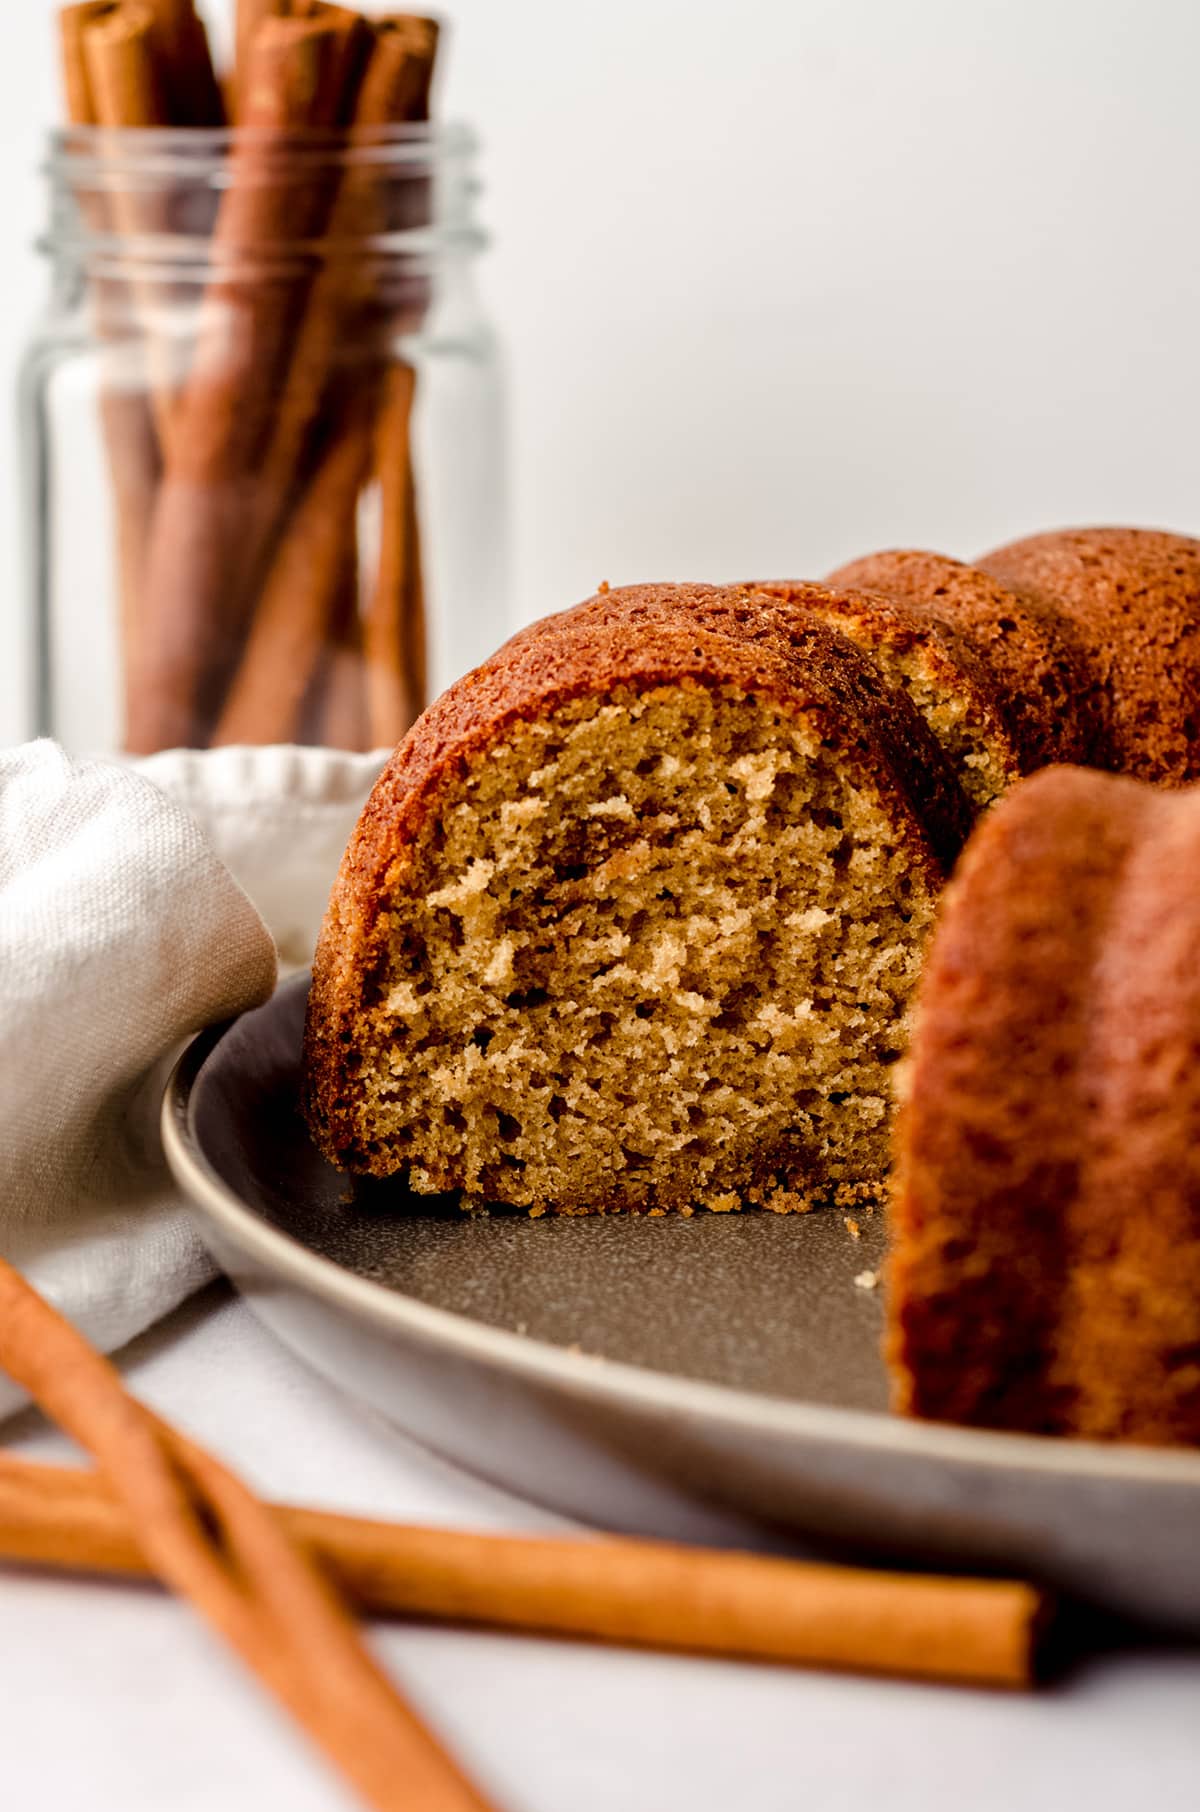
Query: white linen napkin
x,y
122,932
279,817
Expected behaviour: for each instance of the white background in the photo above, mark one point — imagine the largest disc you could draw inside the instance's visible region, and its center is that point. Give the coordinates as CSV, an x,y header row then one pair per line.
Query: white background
x,y
787,280
779,282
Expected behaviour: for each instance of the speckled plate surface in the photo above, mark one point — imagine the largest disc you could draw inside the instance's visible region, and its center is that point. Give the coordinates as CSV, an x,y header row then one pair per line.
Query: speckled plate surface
x,y
714,1376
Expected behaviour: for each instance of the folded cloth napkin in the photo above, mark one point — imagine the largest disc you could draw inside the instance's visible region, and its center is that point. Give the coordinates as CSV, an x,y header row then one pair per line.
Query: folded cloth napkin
x,y
279,817
122,932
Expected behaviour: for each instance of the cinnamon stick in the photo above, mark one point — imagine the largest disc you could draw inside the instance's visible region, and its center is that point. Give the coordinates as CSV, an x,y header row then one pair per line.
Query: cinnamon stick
x,y
396,78
636,1593
249,16
127,90
123,74
335,714
130,434
339,719
173,84
77,87
135,469
204,1534
193,93
394,630
296,621
300,74
333,345
416,645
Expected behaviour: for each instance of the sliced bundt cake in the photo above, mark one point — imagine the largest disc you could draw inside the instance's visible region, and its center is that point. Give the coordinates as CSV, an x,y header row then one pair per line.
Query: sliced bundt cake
x,y
632,918
1131,597
1045,1271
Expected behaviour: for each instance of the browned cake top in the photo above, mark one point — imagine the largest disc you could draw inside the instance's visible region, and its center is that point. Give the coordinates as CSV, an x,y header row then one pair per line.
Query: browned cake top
x,y
1133,596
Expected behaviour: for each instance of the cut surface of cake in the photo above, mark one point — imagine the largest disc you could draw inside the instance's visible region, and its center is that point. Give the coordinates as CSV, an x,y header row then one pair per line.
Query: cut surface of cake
x,y
1045,1268
633,917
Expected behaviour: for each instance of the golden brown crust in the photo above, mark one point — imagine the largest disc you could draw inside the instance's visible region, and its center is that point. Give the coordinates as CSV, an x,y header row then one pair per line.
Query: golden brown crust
x,y
1024,661
1045,1272
636,638
1132,598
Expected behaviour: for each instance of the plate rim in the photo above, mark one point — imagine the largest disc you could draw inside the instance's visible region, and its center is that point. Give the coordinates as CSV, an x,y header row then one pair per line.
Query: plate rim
x,y
616,1380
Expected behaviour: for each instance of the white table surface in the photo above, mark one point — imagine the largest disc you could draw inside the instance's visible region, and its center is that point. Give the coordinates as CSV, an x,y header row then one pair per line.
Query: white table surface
x,y
113,1699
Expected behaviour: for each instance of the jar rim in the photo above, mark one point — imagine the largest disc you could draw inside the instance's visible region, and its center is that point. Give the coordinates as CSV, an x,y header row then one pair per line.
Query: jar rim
x,y
77,152
149,164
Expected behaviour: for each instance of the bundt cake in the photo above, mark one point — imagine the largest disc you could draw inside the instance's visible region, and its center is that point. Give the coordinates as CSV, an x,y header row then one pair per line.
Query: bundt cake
x,y
632,918
1132,599
1045,1268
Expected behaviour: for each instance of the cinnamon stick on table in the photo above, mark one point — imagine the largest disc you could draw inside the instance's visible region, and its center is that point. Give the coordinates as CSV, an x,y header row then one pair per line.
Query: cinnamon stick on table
x,y
301,74
644,1594
203,1533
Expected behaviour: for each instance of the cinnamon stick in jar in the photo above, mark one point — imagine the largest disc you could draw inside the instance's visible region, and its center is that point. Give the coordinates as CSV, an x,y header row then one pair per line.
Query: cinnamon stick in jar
x,y
129,430
395,628
336,346
339,719
126,83
124,79
301,74
77,87
189,80
249,15
296,619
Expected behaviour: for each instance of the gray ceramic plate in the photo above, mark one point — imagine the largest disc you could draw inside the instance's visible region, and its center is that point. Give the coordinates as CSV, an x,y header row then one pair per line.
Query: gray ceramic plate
x,y
706,1374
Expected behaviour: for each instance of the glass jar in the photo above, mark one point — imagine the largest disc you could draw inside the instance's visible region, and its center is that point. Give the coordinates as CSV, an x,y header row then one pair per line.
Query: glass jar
x,y
264,438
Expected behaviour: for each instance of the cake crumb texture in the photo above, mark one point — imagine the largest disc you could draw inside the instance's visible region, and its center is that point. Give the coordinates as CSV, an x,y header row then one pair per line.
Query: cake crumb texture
x,y
637,945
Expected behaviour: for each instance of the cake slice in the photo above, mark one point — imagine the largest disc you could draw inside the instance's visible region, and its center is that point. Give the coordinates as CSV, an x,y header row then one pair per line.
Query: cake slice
x,y
632,919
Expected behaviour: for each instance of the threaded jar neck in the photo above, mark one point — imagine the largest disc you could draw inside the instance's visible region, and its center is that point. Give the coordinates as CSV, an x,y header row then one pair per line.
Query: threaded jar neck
x,y
187,205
